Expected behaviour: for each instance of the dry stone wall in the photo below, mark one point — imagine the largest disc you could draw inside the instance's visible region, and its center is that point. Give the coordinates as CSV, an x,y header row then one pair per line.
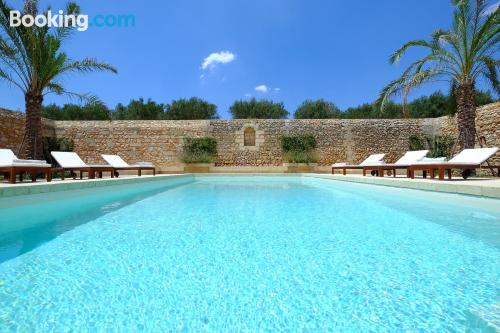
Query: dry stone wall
x,y
161,142
12,130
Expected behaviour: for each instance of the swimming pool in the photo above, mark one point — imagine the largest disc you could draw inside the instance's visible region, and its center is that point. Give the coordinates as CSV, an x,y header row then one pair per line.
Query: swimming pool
x,y
247,254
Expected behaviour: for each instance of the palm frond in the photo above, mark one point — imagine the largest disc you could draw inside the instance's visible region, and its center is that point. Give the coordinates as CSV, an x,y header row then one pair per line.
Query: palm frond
x,y
462,54
396,56
58,89
31,57
7,77
87,65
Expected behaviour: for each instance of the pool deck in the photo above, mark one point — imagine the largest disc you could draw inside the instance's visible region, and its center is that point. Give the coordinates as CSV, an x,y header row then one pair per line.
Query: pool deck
x,y
56,185
485,187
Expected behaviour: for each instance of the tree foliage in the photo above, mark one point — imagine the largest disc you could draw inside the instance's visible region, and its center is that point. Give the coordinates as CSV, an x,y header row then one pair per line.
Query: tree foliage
x,y
190,109
139,110
254,109
90,111
434,105
318,109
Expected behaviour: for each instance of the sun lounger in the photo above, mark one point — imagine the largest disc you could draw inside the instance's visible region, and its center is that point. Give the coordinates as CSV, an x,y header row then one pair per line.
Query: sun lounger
x,y
70,161
119,164
404,162
374,159
467,159
10,166
431,161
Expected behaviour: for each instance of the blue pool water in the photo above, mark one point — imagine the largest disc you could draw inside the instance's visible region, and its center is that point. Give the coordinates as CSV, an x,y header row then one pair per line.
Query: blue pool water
x,y
249,254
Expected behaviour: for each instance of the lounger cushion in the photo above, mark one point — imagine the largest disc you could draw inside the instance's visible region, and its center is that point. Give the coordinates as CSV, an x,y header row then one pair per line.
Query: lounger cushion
x,y
436,160
374,159
341,164
144,164
68,159
8,158
115,161
473,156
29,161
29,165
411,157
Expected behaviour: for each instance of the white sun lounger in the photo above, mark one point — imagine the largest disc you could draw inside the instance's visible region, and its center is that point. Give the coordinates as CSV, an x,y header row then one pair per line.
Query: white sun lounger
x,y
409,158
374,159
119,164
467,159
70,161
10,165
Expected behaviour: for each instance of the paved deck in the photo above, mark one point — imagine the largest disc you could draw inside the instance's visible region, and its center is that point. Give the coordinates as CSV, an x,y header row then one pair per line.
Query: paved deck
x,y
485,187
41,186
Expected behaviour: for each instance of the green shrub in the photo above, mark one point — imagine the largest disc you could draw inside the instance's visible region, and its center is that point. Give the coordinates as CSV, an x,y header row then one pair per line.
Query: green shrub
x,y
298,143
299,148
417,143
199,150
300,157
439,146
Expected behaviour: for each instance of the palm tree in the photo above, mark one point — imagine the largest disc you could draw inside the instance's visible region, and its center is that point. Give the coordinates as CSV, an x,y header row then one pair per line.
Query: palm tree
x,y
31,59
461,56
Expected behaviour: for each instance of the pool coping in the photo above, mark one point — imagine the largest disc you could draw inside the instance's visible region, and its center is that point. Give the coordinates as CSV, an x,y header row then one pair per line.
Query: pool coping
x,y
20,189
489,188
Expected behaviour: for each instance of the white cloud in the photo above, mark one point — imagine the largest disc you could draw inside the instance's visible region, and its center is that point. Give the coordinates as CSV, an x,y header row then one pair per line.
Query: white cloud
x,y
248,95
262,88
215,58
277,90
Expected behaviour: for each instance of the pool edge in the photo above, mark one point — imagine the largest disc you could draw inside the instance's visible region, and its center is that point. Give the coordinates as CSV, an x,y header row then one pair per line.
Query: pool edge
x,y
477,190
481,189
38,188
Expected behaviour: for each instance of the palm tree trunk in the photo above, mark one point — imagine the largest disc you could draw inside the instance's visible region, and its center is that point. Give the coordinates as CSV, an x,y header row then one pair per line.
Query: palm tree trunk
x,y
466,115
33,144
406,112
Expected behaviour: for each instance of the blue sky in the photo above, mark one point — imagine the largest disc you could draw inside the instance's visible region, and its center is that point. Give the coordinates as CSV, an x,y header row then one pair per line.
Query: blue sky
x,y
297,49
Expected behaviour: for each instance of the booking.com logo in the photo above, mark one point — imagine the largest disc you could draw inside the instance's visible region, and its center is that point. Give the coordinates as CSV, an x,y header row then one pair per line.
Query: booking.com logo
x,y
80,22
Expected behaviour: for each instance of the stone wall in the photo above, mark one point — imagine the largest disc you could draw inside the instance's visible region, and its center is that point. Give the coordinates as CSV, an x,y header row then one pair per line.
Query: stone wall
x,y
338,140
12,130
161,142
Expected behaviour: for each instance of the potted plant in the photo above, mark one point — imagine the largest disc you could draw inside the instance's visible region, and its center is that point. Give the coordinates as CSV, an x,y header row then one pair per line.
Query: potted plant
x,y
298,152
199,154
